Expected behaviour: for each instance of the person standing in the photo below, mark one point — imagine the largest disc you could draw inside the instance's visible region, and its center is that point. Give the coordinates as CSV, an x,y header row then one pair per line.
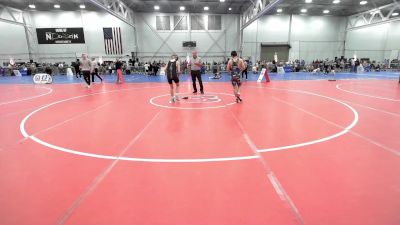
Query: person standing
x,y
146,68
155,68
245,69
195,66
86,66
95,69
173,70
118,68
76,67
235,66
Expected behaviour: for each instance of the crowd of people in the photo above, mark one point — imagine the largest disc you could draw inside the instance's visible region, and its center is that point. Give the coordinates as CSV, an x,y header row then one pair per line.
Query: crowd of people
x,y
236,67
156,67
327,65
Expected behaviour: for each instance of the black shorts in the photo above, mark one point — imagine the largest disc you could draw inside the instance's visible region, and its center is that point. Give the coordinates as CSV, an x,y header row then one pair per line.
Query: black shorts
x,y
175,79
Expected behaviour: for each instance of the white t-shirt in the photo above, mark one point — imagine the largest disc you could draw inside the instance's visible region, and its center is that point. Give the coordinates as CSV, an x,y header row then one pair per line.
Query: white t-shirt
x,y
192,62
85,64
95,65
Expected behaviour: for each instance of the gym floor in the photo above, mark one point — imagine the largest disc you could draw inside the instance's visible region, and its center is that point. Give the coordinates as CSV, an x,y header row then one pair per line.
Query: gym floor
x,y
298,150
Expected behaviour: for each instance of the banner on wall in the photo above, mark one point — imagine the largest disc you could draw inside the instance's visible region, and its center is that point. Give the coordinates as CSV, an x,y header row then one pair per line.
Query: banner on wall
x,y
60,35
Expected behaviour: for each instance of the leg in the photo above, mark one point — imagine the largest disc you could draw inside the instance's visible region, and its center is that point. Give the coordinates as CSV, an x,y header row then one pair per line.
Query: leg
x,y
194,82
177,91
121,76
200,82
118,81
171,90
92,76
86,76
101,79
96,72
236,90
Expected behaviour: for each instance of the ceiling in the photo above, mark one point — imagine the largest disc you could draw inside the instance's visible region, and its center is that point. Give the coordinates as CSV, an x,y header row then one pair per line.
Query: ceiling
x,y
344,8
45,5
194,6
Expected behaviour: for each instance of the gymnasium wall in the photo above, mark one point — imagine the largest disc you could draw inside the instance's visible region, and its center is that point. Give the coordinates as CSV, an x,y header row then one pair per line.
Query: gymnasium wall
x,y
13,42
211,44
310,37
377,42
92,23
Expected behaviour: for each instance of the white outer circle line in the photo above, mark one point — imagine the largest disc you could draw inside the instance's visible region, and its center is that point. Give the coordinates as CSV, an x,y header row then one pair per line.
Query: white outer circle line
x,y
29,98
361,94
92,155
25,134
344,131
22,124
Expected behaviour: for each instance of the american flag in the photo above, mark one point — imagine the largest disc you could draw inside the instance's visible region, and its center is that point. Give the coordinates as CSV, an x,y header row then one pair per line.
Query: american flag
x,y
112,40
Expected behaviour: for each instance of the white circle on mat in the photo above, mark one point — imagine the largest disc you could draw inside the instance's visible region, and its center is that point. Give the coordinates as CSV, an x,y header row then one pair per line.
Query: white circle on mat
x,y
363,94
49,91
175,105
187,160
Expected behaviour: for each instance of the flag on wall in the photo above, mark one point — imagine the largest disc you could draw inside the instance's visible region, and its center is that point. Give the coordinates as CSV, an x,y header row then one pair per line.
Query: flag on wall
x,y
112,40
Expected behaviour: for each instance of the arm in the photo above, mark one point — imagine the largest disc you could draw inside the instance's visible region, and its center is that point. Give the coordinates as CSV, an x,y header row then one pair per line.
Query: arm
x,y
178,67
229,66
242,65
200,64
91,67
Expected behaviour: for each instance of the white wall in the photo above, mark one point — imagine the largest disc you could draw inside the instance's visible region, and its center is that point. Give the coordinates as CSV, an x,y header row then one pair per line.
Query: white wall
x,y
311,37
268,29
92,23
13,43
377,42
151,45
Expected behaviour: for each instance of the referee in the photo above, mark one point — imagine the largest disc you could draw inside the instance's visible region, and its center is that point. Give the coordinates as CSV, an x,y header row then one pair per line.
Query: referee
x,y
195,66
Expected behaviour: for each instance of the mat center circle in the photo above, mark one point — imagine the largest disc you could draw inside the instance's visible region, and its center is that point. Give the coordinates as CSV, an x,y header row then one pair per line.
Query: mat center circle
x,y
194,101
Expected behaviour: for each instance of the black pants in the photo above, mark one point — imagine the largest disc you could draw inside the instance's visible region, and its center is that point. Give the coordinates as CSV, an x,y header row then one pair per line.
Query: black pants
x,y
197,74
96,73
86,76
244,72
77,72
